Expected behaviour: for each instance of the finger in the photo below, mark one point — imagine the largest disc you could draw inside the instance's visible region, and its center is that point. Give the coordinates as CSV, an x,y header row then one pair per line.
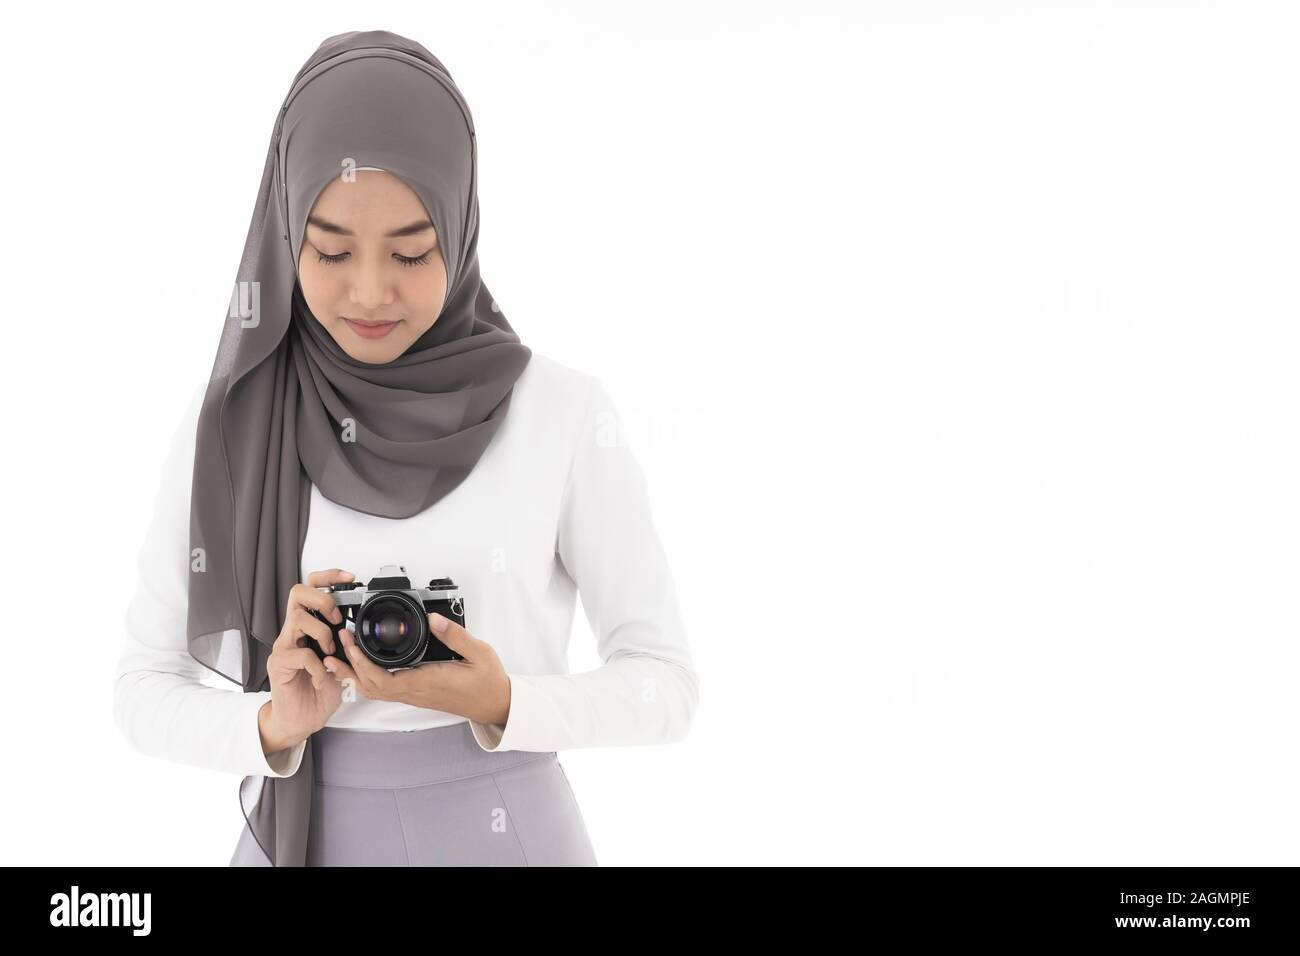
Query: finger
x,y
340,668
346,637
320,579
454,636
304,595
374,678
403,683
300,623
303,659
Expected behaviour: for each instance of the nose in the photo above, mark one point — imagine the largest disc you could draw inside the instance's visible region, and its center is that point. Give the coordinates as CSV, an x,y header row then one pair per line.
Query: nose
x,y
371,288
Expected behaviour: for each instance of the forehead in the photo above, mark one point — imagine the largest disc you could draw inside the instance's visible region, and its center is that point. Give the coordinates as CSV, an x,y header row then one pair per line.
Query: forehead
x,y
373,200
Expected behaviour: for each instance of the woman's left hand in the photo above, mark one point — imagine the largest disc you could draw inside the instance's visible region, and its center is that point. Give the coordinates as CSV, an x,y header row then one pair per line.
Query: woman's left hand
x,y
477,687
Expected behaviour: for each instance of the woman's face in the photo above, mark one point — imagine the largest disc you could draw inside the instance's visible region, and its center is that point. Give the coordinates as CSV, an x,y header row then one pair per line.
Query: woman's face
x,y
371,266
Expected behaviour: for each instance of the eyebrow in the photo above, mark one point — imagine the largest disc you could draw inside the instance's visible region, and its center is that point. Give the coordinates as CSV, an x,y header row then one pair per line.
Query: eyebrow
x,y
410,230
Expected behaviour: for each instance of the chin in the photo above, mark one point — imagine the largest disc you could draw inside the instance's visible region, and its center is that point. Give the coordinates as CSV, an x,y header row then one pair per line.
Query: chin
x,y
376,354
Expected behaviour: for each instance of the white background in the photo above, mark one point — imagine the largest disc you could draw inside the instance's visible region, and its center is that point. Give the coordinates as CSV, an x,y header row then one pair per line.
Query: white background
x,y
958,342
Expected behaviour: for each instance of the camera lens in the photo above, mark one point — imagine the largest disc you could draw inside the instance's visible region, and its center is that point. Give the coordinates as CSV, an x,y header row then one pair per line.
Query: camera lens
x,y
390,628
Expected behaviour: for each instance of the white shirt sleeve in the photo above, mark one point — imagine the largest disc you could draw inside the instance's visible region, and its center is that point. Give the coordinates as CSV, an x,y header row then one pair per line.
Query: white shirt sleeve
x,y
647,691
159,701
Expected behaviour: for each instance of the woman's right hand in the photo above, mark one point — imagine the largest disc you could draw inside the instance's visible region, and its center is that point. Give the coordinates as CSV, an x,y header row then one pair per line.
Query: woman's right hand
x,y
303,692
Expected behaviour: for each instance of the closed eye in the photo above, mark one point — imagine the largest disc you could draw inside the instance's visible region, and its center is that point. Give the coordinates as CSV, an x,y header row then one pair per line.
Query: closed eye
x,y
419,260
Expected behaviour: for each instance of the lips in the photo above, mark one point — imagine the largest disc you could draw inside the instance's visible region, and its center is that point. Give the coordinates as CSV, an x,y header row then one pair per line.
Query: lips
x,y
368,329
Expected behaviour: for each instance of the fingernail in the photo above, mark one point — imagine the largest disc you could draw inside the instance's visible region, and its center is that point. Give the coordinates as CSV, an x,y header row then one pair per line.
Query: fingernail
x,y
329,667
437,622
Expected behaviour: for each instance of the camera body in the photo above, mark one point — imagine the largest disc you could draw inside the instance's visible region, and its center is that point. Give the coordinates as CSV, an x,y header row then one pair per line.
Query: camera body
x,y
391,618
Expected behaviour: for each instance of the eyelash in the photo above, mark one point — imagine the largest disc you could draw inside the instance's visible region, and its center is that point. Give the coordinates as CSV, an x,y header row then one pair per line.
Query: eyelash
x,y
404,260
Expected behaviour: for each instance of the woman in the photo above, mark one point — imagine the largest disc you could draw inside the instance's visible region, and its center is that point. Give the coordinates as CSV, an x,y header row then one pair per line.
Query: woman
x,y
369,406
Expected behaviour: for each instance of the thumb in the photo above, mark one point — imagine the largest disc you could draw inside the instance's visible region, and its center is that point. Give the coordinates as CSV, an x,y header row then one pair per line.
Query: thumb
x,y
451,634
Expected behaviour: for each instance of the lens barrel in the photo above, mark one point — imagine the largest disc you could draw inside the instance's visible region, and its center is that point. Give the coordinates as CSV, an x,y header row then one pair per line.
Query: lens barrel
x,y
390,627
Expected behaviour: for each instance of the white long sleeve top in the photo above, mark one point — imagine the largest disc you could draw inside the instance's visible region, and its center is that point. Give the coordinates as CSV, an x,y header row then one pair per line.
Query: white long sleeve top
x,y
556,505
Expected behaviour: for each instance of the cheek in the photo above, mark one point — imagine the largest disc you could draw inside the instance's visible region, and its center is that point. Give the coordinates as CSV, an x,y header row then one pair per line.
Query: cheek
x,y
321,285
426,289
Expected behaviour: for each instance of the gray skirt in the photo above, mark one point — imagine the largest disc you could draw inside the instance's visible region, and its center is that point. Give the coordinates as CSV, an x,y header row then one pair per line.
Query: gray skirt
x,y
433,797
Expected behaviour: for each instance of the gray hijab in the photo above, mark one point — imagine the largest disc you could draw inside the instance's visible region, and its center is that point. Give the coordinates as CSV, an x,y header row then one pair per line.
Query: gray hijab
x,y
283,394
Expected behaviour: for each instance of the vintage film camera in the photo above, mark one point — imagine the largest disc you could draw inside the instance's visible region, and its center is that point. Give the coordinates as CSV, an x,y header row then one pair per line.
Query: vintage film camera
x,y
391,618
